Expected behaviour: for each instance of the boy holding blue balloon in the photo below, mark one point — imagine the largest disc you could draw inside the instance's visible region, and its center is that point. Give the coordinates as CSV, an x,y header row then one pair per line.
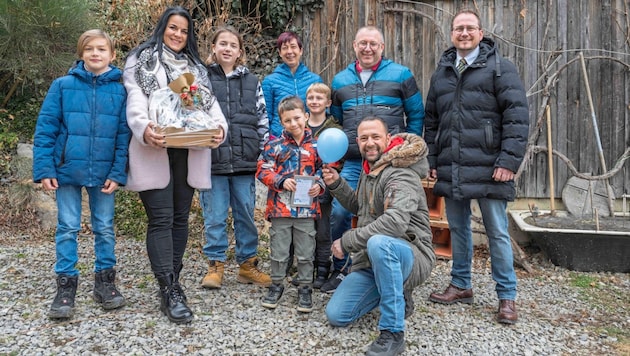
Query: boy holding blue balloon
x,y
291,169
318,101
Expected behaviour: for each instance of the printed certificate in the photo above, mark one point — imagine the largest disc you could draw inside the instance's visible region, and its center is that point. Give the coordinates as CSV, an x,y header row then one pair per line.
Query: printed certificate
x,y
300,196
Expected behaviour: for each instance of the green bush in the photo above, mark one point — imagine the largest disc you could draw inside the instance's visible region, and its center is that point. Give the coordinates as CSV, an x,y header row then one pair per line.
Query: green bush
x,y
17,124
129,215
38,41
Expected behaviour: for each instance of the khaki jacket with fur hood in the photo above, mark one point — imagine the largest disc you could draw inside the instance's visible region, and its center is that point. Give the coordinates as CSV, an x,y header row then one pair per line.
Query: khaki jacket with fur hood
x,y
389,201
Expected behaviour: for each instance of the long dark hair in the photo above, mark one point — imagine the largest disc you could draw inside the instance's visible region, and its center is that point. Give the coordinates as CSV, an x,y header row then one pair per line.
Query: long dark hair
x,y
157,37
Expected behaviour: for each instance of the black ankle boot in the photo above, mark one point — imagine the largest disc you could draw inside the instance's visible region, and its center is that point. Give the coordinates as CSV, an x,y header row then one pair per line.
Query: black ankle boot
x,y
172,302
321,277
105,292
176,284
63,305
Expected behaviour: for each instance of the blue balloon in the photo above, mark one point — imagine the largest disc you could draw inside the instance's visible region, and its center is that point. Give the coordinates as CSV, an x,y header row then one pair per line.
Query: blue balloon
x,y
332,145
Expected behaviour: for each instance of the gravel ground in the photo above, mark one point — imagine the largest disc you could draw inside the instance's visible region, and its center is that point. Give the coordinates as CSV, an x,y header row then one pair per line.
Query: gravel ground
x,y
561,313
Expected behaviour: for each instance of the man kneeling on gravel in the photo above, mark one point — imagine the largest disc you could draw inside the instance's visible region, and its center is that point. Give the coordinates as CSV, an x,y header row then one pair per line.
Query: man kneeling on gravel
x,y
391,245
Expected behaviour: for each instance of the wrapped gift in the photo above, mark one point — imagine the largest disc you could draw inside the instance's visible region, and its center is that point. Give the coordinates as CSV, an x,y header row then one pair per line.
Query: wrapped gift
x,y
178,112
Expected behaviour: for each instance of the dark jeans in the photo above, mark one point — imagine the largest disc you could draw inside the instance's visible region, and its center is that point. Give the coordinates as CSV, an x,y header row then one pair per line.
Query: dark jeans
x,y
168,210
323,240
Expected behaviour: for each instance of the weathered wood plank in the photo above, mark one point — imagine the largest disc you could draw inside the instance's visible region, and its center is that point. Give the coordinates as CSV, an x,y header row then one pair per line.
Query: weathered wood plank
x,y
416,34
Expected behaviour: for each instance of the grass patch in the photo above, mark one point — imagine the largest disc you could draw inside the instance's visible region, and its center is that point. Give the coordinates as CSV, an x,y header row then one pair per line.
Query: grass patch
x,y
583,281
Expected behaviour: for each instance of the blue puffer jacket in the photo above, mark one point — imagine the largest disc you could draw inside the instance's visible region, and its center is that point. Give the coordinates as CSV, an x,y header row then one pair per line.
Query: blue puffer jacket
x,y
81,137
282,83
391,93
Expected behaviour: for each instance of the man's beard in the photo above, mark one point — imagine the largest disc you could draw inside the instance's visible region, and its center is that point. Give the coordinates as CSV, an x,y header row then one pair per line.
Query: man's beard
x,y
372,161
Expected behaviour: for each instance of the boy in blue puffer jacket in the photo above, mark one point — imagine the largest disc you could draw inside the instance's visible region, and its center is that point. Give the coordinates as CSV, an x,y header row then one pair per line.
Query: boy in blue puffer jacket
x,y
81,140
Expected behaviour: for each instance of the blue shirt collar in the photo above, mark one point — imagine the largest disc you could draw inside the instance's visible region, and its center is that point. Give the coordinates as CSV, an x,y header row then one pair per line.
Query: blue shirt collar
x,y
470,58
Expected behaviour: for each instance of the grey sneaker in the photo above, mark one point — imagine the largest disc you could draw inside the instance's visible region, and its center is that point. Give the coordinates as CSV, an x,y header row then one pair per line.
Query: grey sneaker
x,y
270,301
388,343
305,302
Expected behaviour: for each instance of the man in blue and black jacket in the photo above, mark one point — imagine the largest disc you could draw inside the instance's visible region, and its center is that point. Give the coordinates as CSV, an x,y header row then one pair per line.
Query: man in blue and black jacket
x,y
369,86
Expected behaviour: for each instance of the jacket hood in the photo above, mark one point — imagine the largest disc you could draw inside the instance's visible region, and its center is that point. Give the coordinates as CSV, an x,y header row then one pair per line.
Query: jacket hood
x,y
78,69
412,152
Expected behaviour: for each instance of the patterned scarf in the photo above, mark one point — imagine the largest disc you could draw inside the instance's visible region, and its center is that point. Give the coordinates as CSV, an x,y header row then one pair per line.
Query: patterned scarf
x,y
174,64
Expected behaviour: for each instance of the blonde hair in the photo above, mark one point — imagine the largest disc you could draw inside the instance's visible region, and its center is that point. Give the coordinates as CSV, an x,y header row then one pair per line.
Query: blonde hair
x,y
89,35
242,59
319,88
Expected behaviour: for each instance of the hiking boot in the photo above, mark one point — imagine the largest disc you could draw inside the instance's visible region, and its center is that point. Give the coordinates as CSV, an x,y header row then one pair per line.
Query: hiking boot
x,y
270,301
105,292
305,302
453,295
321,277
409,305
214,277
507,312
387,344
250,273
172,302
63,305
333,282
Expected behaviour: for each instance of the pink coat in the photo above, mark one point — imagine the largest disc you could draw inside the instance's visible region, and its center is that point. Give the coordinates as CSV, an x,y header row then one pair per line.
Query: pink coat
x,y
149,166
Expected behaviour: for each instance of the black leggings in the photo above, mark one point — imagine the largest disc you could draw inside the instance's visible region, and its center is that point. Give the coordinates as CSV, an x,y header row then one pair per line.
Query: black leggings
x,y
168,210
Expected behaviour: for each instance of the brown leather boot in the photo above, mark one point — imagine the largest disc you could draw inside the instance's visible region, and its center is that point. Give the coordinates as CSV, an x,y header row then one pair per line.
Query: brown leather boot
x,y
250,273
214,277
452,295
507,312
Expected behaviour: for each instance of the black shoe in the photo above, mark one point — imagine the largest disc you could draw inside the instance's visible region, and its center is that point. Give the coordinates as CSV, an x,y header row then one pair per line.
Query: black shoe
x,y
105,292
409,305
172,302
63,305
333,282
321,277
305,302
388,344
270,301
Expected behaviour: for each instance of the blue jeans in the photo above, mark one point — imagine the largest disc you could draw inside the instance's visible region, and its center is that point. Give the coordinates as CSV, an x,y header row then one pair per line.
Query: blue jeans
x,y
341,219
69,225
381,285
495,221
239,192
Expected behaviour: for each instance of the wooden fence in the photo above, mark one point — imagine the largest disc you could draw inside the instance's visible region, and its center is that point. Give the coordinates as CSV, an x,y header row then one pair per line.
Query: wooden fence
x,y
543,38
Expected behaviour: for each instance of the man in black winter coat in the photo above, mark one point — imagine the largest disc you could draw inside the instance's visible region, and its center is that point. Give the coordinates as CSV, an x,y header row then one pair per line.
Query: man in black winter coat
x,y
476,124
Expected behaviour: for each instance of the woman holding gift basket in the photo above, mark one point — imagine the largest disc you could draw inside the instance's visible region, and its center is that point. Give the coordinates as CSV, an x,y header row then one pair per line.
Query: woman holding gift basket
x,y
165,176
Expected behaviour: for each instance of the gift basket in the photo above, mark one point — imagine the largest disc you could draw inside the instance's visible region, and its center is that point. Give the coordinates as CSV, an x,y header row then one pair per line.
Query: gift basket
x,y
178,111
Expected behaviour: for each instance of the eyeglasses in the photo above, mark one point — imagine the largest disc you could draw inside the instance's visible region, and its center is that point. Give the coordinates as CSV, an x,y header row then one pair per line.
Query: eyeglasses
x,y
364,45
469,29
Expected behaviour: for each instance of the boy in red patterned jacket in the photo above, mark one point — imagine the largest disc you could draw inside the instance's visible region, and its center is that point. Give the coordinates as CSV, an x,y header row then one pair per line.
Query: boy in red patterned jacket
x,y
288,166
